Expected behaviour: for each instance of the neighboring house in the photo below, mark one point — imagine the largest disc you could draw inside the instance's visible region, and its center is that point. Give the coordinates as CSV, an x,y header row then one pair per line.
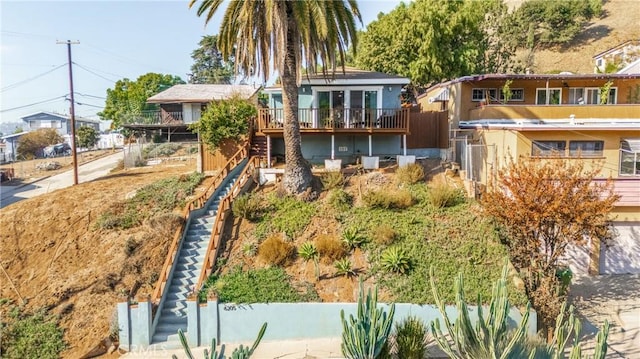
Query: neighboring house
x,y
553,114
182,105
3,152
632,68
620,55
353,116
110,140
11,146
59,122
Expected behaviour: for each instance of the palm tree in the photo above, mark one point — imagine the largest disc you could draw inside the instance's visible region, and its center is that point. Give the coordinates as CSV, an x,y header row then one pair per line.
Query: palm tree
x,y
289,34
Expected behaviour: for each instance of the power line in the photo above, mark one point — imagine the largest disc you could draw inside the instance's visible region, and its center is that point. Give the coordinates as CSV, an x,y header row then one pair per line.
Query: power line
x,y
100,71
33,104
94,96
94,73
14,85
127,60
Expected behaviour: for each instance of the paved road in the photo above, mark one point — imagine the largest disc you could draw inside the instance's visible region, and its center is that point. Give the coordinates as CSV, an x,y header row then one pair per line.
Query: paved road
x,y
86,172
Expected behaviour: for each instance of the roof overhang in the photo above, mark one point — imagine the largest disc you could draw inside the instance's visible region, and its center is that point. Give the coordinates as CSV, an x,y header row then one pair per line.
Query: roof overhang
x,y
527,125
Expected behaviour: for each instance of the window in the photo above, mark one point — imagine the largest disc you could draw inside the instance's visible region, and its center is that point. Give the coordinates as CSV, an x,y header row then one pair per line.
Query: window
x,y
551,96
548,148
480,94
630,157
576,96
586,148
593,96
516,95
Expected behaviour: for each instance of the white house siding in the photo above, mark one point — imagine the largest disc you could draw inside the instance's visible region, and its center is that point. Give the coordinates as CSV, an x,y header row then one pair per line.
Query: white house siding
x,y
622,256
577,258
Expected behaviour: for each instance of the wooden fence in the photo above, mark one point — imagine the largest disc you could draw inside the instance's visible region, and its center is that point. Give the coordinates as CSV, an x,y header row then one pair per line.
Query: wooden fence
x,y
429,129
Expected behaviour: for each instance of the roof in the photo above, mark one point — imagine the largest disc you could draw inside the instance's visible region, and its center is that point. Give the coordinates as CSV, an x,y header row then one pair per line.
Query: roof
x,y
475,78
60,116
632,68
202,93
636,41
14,135
353,76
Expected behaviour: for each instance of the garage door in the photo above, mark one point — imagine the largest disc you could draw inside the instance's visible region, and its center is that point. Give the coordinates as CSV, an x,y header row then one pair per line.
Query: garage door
x,y
622,256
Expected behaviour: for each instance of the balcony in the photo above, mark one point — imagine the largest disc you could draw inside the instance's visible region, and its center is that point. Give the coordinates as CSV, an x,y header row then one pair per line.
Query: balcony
x,y
542,112
157,118
315,120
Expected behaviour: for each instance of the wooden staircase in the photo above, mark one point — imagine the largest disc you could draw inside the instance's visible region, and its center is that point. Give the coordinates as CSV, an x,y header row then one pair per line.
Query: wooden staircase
x,y
258,146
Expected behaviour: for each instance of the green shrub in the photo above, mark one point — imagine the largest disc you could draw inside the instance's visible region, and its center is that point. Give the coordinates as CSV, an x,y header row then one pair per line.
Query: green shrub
x,y
266,285
384,235
276,251
388,199
330,248
34,336
353,238
411,334
332,180
344,267
410,174
395,259
442,196
246,206
339,199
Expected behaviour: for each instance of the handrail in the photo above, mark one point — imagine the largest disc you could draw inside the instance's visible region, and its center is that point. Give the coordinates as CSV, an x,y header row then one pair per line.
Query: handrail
x,y
218,225
196,203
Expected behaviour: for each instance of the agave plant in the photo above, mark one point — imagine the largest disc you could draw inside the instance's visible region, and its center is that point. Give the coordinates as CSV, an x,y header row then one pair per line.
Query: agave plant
x,y
344,267
353,238
395,259
307,252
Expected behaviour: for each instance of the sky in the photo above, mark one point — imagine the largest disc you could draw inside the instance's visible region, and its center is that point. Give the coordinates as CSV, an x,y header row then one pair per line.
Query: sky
x,y
117,39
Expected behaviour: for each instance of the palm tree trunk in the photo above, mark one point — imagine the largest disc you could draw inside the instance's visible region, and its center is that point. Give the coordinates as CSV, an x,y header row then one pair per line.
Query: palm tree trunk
x,y
297,173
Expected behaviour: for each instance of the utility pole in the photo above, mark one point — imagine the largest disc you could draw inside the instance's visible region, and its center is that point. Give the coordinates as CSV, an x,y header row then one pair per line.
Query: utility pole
x,y
72,111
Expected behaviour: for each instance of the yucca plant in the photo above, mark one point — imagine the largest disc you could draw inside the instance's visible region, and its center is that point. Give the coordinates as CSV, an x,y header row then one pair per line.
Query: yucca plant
x,y
249,249
353,238
344,267
364,336
307,252
246,206
395,259
241,352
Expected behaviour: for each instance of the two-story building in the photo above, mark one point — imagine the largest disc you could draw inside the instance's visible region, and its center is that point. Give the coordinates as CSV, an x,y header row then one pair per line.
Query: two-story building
x,y
352,116
619,56
59,122
580,117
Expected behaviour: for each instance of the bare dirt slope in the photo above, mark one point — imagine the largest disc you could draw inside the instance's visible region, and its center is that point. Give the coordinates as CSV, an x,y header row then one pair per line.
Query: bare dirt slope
x,y
618,23
55,257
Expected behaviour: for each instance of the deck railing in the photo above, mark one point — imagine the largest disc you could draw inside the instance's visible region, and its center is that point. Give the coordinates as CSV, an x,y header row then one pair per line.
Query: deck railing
x,y
196,203
337,119
156,118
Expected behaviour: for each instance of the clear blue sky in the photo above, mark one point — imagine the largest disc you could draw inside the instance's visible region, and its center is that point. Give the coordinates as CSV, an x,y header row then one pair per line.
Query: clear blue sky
x,y
118,39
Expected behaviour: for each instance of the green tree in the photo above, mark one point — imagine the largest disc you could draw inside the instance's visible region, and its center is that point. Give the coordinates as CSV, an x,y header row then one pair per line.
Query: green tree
x,y
226,119
209,66
87,137
33,142
128,99
543,206
430,41
287,35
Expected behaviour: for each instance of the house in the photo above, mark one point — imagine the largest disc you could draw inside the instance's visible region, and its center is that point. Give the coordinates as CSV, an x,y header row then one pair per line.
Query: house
x,y
181,105
57,121
351,116
619,56
11,146
580,117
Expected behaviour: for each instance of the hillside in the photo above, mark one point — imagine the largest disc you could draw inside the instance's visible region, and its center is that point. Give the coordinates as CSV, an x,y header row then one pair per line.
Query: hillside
x,y
618,23
57,258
